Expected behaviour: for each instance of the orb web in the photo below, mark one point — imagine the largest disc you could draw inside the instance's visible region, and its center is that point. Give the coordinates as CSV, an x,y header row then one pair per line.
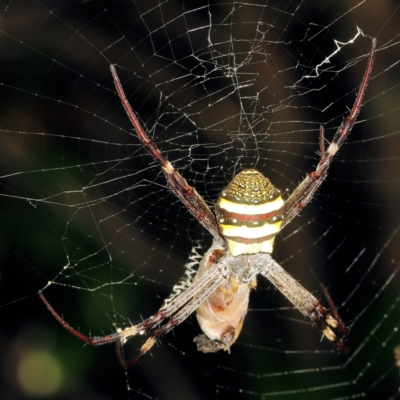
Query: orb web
x,y
220,87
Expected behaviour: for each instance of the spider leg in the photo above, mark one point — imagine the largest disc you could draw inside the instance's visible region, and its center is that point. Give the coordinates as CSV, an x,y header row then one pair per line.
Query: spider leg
x,y
215,275
303,194
95,341
149,323
186,193
306,303
177,311
333,307
174,321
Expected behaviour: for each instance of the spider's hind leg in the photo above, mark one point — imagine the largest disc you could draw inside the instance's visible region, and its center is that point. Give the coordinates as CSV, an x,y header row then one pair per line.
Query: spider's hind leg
x,y
183,191
305,191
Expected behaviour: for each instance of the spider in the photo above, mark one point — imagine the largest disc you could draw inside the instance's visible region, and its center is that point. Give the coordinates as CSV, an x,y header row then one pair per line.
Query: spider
x,y
248,214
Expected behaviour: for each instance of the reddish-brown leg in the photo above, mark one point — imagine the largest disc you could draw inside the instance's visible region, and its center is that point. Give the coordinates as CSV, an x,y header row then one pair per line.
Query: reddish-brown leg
x,y
186,193
165,319
303,194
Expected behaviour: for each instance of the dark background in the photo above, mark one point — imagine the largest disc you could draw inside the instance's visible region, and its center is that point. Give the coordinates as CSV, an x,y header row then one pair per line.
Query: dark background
x,y
62,126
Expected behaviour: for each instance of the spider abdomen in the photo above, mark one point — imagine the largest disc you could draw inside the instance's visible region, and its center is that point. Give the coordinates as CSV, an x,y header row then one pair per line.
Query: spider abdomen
x,y
249,212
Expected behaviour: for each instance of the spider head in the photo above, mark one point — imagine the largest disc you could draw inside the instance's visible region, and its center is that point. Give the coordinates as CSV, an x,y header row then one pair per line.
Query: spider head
x,y
249,212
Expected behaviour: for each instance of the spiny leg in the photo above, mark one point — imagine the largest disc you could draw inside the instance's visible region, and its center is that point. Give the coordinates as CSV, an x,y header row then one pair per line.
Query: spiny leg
x,y
177,311
216,276
186,193
149,323
174,321
303,194
95,341
306,303
334,310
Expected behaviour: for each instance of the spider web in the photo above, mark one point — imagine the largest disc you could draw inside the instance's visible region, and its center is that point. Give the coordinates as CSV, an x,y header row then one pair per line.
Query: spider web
x,y
220,87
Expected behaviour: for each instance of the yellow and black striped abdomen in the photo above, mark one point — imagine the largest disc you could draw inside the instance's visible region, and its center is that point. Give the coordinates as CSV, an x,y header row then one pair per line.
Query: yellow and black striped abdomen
x,y
249,212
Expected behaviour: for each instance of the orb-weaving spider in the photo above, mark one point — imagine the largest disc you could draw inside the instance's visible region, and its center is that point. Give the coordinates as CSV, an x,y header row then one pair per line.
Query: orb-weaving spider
x,y
248,215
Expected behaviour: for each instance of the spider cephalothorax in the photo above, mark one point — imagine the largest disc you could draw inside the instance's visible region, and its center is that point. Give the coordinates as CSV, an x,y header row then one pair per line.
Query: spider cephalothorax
x,y
249,213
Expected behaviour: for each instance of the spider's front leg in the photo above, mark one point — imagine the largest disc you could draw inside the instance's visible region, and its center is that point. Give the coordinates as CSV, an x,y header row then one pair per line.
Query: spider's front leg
x,y
186,193
304,193
184,304
165,319
306,303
